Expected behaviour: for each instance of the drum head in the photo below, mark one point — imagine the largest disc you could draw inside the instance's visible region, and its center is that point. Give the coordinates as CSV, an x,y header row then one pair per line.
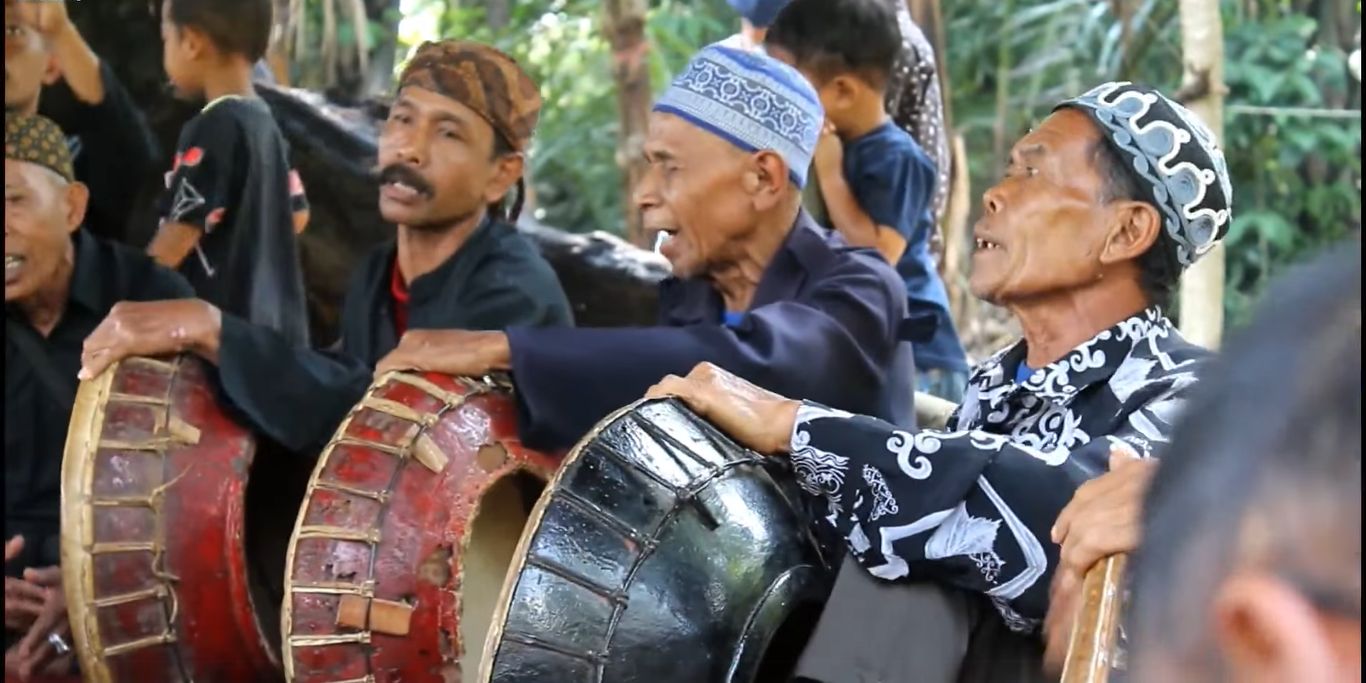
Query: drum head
x,y
661,551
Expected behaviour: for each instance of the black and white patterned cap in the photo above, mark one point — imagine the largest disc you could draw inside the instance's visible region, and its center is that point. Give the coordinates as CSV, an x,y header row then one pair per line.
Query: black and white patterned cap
x,y
1173,156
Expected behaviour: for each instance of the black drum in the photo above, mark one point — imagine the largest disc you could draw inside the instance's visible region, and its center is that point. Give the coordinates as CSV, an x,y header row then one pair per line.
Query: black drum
x,y
660,552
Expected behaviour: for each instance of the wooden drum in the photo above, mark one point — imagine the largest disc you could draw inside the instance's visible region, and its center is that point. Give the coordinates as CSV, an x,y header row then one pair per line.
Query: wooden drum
x,y
168,578
411,520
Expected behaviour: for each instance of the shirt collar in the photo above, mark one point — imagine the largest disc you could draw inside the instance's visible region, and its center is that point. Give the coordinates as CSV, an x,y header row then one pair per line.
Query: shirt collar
x,y
87,287
447,277
1088,363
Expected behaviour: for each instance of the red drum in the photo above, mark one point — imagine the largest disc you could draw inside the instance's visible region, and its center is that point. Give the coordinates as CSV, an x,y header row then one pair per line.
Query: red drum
x,y
410,523
168,577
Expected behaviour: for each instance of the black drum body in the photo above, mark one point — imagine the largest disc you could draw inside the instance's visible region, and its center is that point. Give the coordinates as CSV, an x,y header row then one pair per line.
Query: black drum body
x,y
660,552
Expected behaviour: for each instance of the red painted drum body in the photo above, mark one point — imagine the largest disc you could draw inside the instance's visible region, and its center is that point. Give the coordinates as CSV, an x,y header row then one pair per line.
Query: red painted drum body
x,y
411,520
165,579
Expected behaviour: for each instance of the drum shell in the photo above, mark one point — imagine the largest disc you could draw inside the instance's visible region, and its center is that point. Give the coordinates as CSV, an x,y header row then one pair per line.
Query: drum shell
x,y
660,552
154,554
377,559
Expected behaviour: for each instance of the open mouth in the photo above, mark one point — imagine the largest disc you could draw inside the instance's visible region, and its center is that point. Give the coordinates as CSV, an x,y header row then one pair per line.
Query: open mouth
x,y
984,245
14,265
403,191
662,237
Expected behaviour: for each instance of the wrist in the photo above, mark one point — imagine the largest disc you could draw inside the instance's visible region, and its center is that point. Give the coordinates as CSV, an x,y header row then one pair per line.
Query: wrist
x,y
205,342
785,421
500,352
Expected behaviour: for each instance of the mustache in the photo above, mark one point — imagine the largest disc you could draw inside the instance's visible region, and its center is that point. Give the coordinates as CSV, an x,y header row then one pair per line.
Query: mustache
x,y
398,173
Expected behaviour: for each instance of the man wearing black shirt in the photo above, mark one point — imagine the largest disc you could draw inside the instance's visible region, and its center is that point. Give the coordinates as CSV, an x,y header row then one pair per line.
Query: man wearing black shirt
x,y
60,282
113,150
449,154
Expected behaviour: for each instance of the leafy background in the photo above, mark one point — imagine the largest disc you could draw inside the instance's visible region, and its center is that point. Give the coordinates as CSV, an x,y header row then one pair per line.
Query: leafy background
x,y
1296,178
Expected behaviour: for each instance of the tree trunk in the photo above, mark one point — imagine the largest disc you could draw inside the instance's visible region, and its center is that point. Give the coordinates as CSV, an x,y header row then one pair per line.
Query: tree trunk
x,y
625,28
1202,44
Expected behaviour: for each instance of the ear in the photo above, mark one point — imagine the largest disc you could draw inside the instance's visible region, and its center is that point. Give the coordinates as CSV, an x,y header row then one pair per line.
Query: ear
x,y
507,169
844,87
52,72
1266,630
1134,230
765,179
74,205
193,41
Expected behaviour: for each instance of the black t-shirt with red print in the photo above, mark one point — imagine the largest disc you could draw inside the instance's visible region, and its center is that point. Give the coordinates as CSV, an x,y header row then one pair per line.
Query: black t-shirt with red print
x,y
232,179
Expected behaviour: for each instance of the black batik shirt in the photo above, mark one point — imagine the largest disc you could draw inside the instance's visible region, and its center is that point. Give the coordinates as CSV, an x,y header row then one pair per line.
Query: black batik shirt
x,y
36,413
973,506
231,178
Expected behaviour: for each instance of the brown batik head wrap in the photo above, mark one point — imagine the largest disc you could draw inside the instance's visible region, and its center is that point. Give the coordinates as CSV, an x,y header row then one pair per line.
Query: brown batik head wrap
x,y
36,139
481,78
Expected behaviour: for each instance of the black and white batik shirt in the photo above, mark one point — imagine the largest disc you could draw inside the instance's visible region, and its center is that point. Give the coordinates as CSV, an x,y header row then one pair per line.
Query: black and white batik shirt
x,y
973,506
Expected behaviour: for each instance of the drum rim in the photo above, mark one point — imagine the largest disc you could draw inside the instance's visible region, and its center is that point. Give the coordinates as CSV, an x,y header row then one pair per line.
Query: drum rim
x,y
474,386
77,521
497,625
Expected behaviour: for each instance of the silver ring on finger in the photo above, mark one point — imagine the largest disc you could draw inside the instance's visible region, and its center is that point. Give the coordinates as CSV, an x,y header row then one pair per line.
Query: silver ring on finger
x,y
58,643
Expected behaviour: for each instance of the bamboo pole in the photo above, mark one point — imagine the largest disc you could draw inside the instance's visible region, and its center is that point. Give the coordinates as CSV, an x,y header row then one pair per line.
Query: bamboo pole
x,y
1202,44
625,28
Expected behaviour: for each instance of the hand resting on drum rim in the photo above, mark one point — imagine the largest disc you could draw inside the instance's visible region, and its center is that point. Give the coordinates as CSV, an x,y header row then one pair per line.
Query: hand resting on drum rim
x,y
152,328
756,418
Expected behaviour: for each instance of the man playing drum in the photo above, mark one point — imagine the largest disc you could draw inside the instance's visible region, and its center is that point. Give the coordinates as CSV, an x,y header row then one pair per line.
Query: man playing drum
x,y
1102,207
449,155
60,282
759,288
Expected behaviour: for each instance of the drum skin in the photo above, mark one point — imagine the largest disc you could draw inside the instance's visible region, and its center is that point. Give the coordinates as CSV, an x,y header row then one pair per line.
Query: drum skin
x,y
660,552
381,547
153,554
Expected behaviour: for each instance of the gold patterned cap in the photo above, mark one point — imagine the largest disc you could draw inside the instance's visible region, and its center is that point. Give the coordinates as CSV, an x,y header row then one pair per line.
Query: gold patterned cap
x,y
481,78
36,139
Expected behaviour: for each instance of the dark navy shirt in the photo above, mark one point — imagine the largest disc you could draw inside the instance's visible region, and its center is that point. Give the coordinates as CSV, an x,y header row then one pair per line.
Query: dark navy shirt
x,y
893,181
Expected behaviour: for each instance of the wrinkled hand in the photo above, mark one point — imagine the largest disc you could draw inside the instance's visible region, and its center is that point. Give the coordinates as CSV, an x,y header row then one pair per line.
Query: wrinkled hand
x,y
455,352
34,654
829,156
23,600
756,418
46,16
1103,519
152,328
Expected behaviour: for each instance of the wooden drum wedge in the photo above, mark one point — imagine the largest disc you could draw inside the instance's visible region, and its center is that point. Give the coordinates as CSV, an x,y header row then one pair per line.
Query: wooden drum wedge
x,y
661,552
411,519
166,579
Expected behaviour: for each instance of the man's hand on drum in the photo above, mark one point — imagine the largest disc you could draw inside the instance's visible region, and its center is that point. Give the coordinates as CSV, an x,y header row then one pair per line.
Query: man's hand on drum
x,y
455,352
36,606
756,418
1104,518
152,328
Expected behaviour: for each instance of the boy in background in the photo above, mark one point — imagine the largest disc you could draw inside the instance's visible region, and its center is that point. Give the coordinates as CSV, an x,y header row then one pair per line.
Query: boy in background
x,y
232,204
876,182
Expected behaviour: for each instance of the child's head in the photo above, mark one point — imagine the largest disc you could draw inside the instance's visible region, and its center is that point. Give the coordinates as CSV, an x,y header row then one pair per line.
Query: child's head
x,y
846,48
199,36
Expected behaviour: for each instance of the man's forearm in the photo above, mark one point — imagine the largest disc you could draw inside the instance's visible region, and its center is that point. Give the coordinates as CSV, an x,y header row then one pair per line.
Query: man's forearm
x,y
80,66
845,213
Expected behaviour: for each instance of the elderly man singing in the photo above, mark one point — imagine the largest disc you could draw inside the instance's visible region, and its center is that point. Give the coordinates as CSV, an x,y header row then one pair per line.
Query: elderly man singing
x,y
60,281
1103,205
759,288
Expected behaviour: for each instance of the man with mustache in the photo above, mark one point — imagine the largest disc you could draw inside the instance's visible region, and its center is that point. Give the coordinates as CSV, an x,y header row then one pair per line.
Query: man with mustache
x,y
758,287
450,153
1104,204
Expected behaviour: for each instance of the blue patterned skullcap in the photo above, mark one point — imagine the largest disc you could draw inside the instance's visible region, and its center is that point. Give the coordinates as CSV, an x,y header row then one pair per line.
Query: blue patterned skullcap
x,y
760,13
752,100
1174,157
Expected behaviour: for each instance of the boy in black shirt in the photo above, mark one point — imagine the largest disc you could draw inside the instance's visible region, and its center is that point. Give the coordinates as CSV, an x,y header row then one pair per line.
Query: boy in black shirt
x,y
228,214
877,183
